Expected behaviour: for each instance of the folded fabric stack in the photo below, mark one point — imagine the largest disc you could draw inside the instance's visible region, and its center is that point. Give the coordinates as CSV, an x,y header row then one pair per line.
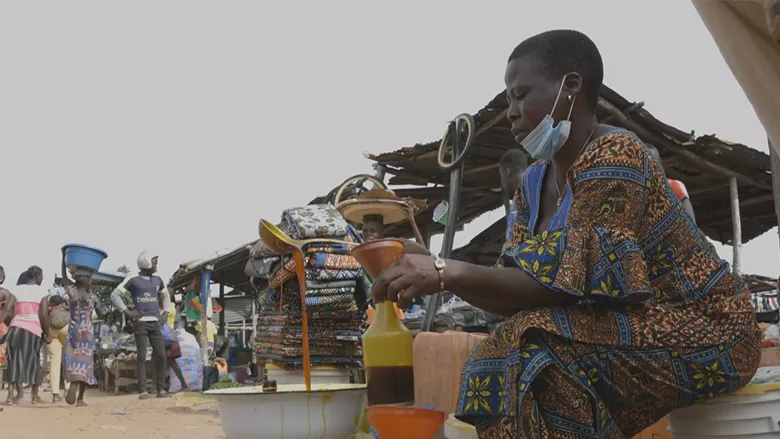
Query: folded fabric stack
x,y
335,295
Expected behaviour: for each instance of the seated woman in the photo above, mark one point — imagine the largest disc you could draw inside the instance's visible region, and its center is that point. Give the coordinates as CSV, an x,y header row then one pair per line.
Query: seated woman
x,y
621,310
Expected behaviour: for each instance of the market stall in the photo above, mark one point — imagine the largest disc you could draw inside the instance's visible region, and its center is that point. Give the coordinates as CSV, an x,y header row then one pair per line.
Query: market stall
x,y
233,309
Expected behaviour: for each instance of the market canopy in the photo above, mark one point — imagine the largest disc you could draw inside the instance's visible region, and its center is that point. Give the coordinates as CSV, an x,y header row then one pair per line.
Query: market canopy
x,y
704,163
747,33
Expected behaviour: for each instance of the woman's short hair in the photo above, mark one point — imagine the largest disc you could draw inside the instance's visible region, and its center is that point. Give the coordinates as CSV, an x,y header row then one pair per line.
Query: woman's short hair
x,y
559,52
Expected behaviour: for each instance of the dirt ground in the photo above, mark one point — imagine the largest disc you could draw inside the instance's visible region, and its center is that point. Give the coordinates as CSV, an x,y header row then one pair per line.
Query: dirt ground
x,y
185,416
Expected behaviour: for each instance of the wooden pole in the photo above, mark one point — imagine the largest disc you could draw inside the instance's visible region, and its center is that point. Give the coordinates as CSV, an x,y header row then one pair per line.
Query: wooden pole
x,y
205,304
736,240
775,160
222,327
427,238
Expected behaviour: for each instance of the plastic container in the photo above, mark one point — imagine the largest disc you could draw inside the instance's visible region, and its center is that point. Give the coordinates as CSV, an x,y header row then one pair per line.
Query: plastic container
x,y
441,213
320,375
392,422
752,412
325,412
456,429
78,256
388,359
387,344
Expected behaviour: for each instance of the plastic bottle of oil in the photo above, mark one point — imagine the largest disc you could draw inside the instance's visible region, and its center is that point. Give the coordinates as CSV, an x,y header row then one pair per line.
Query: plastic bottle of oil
x,y
387,356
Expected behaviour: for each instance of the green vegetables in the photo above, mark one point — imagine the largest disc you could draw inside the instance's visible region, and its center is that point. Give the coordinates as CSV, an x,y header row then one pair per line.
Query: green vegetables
x,y
225,383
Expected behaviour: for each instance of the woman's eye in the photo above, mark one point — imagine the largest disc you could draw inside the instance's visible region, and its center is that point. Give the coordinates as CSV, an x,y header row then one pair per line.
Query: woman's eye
x,y
514,97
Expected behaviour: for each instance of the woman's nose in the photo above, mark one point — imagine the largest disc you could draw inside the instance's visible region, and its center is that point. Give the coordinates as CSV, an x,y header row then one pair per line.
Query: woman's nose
x,y
513,113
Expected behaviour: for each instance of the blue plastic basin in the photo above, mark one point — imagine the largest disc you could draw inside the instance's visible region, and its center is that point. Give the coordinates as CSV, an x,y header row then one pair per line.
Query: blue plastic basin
x,y
78,255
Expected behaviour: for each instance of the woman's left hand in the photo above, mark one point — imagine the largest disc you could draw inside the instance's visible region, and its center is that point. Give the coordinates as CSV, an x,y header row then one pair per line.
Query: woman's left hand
x,y
409,276
47,338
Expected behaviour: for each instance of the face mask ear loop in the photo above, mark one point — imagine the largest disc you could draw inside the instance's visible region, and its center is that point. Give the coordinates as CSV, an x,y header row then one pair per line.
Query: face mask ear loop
x,y
572,107
560,89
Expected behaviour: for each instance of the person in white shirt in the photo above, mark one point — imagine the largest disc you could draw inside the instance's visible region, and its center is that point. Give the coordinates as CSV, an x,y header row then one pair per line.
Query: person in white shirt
x,y
108,327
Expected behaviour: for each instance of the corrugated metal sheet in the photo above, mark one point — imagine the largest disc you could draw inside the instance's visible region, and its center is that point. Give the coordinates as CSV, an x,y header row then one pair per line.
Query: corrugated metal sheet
x,y
238,309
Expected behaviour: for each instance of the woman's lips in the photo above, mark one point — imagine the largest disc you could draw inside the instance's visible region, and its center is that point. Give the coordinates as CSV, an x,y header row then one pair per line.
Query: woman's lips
x,y
520,136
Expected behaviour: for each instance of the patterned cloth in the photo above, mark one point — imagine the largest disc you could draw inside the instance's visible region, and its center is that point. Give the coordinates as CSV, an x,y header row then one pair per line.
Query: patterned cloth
x,y
679,189
661,322
284,274
3,331
333,261
331,285
315,221
326,274
24,357
80,346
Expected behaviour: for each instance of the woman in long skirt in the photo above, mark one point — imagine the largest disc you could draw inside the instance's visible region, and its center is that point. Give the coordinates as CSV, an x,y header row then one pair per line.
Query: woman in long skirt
x,y
28,330
80,347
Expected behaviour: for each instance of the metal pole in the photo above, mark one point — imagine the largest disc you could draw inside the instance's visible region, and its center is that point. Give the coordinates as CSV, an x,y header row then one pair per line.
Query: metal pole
x,y
205,303
736,240
456,178
254,320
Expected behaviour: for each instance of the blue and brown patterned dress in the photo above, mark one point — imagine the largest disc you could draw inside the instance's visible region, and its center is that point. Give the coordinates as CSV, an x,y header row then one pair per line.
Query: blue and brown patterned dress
x,y
661,322
80,347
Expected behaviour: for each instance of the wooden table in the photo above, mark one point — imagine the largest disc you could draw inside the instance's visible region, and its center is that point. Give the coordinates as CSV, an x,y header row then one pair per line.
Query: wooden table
x,y
122,374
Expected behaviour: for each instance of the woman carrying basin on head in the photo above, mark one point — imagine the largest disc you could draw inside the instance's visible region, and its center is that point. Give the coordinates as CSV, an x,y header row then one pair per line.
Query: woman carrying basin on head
x,y
621,310
80,346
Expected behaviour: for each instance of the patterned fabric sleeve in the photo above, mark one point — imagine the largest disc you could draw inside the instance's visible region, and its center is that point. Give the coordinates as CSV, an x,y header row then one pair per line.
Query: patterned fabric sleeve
x,y
595,255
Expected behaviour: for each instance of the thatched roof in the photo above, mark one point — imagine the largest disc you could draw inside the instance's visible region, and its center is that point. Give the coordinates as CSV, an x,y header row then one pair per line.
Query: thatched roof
x,y
703,163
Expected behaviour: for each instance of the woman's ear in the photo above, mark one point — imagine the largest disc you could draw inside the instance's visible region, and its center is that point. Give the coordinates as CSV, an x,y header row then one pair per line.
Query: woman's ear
x,y
572,84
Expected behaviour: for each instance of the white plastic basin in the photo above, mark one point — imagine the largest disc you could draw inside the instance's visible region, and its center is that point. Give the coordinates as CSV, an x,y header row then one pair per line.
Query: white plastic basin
x,y
328,411
319,375
752,413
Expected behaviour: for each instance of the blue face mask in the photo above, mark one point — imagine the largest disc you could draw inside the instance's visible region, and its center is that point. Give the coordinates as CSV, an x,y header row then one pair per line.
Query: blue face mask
x,y
546,140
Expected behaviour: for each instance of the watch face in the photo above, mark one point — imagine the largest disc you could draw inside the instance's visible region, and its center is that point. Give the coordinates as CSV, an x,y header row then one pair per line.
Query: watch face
x,y
439,263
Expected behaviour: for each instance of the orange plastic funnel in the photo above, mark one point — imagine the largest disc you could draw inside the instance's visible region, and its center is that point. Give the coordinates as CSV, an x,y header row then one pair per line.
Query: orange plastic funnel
x,y
395,422
375,256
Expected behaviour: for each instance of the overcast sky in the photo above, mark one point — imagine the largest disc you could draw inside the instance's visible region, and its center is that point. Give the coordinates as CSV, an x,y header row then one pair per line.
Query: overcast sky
x,y
174,126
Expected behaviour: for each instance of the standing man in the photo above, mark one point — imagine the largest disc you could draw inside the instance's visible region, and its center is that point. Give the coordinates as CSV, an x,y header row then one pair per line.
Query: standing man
x,y
144,290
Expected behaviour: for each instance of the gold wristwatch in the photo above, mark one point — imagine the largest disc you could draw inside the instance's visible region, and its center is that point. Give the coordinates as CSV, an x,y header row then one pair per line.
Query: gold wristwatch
x,y
440,264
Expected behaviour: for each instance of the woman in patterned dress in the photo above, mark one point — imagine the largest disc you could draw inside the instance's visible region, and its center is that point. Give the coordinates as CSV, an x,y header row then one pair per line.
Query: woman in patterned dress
x,y
620,309
80,347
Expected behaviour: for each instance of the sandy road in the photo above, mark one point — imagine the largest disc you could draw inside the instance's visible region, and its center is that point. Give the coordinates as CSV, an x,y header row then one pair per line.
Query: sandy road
x,y
187,416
